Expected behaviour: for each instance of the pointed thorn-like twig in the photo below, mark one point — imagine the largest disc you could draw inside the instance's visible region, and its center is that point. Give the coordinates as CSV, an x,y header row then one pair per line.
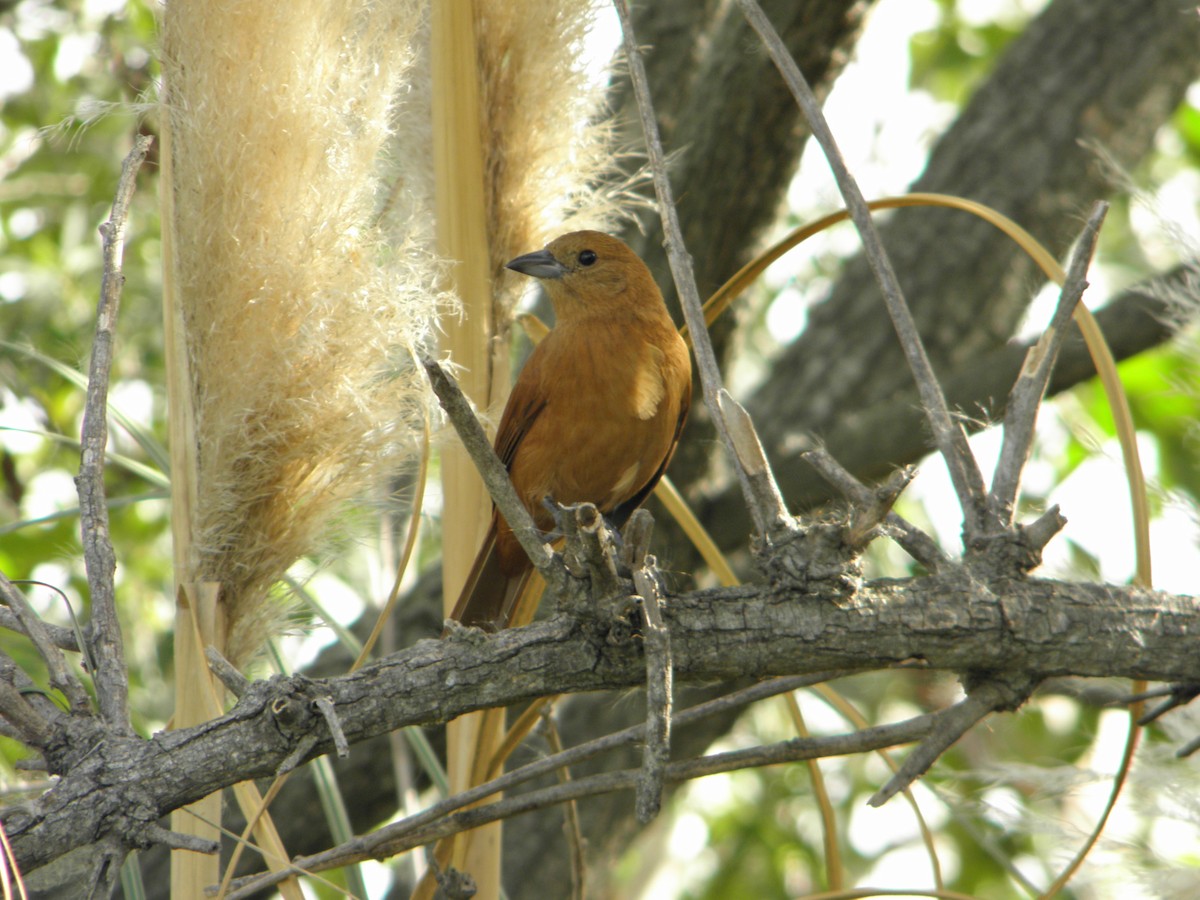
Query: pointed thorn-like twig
x,y
950,725
1177,695
911,539
329,713
948,434
1041,530
1025,398
175,840
766,502
495,475
681,263
235,682
1188,749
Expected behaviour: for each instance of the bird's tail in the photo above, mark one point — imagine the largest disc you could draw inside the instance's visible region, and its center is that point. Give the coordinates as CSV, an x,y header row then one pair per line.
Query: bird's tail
x,y
492,600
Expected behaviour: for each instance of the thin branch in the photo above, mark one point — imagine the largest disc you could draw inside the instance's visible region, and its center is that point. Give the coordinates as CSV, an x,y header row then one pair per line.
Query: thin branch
x,y
1025,398
235,682
951,724
60,636
1176,695
562,760
572,826
176,840
61,676
768,518
919,545
111,677
656,748
26,707
1039,532
325,705
748,448
33,729
495,476
947,433
379,846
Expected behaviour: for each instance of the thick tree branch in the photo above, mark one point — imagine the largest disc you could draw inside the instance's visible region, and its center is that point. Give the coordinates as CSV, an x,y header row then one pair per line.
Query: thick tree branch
x,y
1032,629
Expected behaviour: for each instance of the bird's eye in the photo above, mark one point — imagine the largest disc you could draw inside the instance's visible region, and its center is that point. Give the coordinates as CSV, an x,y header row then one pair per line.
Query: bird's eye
x,y
587,257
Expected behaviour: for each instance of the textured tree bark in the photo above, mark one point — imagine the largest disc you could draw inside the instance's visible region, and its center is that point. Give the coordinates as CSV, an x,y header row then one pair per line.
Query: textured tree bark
x,y
1118,69
1107,70
964,621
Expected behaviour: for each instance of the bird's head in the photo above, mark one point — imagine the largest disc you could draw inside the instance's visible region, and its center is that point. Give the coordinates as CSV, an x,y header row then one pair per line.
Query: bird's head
x,y
585,272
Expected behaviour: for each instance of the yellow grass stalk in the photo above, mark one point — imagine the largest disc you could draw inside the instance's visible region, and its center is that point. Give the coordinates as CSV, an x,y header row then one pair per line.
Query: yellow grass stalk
x,y
462,238
285,309
514,155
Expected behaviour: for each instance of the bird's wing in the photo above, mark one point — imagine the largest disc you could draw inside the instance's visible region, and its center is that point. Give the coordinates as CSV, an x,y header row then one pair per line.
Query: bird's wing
x,y
525,404
621,514
489,594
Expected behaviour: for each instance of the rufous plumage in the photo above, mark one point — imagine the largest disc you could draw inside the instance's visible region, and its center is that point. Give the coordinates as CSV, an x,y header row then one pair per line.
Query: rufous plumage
x,y
596,411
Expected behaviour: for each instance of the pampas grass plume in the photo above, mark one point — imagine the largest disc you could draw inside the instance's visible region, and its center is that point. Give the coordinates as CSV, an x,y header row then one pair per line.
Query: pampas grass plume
x,y
299,315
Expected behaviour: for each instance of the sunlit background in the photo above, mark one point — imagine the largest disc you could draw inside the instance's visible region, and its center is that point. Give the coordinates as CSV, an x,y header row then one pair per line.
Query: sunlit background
x,y
885,110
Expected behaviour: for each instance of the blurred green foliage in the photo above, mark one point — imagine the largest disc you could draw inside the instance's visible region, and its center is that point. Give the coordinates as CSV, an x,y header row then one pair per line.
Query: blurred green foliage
x,y
63,136
62,140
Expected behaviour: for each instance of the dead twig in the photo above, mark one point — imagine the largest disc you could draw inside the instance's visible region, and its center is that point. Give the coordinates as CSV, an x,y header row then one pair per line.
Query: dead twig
x,y
110,677
371,847
656,750
572,826
766,507
874,507
495,476
948,434
1025,399
951,724
235,682
62,678
325,706
61,637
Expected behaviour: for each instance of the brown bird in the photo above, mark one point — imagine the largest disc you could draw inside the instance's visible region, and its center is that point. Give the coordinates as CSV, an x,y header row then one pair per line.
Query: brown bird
x,y
596,411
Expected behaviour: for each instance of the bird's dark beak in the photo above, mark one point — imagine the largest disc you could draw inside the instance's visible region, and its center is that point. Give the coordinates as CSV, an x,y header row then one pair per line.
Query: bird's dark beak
x,y
539,264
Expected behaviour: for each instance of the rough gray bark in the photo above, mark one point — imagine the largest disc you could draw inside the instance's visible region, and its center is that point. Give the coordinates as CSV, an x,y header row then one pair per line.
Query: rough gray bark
x,y
965,620
1121,94
831,379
